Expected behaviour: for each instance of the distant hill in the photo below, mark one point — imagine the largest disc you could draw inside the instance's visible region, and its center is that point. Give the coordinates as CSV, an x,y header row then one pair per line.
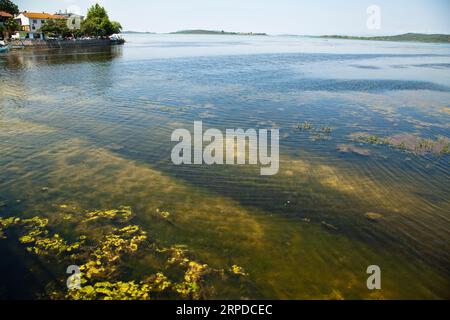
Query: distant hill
x,y
413,37
212,32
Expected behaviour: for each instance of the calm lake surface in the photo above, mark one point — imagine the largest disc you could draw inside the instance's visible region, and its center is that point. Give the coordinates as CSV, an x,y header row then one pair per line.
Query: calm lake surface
x,y
90,129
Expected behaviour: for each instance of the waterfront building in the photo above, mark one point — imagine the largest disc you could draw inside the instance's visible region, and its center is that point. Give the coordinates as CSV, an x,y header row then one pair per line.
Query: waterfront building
x,y
31,23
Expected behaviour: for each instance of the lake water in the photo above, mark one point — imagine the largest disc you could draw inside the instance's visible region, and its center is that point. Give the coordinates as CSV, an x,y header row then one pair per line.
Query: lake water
x,y
90,129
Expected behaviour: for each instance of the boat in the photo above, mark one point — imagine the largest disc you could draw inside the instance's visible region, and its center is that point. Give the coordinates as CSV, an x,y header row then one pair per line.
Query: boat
x,y
116,39
4,47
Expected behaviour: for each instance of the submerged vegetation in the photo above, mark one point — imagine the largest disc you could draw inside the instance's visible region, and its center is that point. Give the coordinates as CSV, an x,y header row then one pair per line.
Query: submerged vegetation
x,y
317,132
407,142
308,126
106,242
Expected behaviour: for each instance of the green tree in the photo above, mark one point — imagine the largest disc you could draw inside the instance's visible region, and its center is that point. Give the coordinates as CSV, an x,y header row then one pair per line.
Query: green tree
x,y
56,27
116,27
97,23
9,6
9,27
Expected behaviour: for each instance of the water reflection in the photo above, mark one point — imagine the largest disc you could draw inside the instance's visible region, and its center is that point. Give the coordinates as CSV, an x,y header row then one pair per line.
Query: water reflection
x,y
27,58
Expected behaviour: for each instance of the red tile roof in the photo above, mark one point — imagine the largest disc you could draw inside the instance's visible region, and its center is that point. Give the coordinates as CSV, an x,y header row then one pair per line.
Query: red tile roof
x,y
5,14
43,15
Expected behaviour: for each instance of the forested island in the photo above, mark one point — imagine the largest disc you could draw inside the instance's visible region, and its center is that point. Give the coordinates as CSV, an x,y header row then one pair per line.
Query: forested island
x,y
214,32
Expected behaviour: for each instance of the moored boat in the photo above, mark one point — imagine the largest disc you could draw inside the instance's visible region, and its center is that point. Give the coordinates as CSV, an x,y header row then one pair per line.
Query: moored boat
x,y
4,47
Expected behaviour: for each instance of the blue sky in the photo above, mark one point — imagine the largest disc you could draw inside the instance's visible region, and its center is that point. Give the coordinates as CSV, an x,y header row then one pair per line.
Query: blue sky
x,y
311,17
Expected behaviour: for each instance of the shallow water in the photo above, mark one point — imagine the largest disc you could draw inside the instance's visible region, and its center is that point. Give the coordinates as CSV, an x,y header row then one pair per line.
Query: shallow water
x,y
93,126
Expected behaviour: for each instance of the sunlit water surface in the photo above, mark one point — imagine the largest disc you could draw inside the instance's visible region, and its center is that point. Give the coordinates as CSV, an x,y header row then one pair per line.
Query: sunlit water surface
x,y
94,126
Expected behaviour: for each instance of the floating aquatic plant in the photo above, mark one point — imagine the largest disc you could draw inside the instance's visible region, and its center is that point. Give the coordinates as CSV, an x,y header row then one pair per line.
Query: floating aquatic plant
x,y
102,258
123,213
190,287
164,215
238,270
121,290
112,291
318,133
308,126
195,272
5,223
54,245
407,142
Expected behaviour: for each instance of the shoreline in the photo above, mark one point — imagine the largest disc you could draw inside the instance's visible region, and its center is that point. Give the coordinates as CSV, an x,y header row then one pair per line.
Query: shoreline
x,y
62,44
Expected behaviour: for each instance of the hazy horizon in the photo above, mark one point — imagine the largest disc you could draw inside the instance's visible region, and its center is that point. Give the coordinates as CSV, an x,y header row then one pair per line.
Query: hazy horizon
x,y
282,17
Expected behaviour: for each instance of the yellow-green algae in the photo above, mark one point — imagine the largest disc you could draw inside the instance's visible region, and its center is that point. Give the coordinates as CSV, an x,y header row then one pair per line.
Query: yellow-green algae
x,y
164,215
235,269
100,275
123,213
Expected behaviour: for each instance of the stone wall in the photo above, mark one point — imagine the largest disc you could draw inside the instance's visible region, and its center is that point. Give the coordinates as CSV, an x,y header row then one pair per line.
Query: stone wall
x,y
61,44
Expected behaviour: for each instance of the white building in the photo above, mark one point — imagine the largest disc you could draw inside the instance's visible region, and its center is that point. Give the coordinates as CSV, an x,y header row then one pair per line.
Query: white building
x,y
31,23
73,20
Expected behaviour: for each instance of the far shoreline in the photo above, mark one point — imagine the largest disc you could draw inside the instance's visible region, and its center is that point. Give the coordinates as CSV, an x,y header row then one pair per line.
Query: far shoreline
x,y
407,37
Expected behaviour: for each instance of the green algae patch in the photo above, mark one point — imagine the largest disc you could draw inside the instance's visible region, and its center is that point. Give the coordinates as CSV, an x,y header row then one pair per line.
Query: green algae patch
x,y
407,142
237,270
120,290
104,255
122,214
36,237
163,215
317,133
308,126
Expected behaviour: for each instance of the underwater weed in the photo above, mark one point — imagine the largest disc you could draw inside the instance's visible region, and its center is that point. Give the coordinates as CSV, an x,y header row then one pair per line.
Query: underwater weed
x,y
122,214
407,142
308,126
317,133
102,259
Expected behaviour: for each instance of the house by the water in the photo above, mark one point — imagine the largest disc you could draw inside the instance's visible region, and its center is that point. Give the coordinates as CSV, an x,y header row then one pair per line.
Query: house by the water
x,y
31,23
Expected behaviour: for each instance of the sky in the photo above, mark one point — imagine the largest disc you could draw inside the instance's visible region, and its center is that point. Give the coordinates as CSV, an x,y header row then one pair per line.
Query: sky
x,y
305,17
